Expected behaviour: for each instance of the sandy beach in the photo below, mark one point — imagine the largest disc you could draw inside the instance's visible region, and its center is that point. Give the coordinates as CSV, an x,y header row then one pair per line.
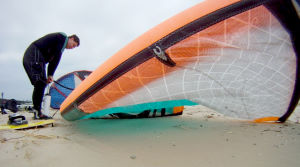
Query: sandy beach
x,y
199,137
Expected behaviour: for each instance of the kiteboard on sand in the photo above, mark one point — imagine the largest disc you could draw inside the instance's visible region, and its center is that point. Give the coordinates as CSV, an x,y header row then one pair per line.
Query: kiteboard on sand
x,y
19,122
29,125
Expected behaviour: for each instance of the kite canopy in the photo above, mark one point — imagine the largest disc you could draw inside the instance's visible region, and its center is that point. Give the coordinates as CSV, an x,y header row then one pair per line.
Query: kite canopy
x,y
60,90
239,57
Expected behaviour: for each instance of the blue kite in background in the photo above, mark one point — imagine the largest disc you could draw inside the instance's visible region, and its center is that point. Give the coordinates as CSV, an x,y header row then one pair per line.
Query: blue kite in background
x,y
61,88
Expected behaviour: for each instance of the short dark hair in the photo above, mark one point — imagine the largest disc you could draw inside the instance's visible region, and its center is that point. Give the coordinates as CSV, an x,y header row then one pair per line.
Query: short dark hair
x,y
76,39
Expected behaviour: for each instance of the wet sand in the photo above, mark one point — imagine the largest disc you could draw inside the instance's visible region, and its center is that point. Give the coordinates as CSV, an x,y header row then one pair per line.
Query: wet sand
x,y
200,137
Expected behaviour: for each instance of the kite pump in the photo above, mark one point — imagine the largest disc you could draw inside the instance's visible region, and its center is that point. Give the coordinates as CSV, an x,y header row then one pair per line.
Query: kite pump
x,y
46,102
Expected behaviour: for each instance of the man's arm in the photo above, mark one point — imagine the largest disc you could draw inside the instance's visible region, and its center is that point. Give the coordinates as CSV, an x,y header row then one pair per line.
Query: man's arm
x,y
52,67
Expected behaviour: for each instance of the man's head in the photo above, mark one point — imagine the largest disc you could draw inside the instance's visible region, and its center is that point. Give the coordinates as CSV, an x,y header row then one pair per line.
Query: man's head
x,y
73,41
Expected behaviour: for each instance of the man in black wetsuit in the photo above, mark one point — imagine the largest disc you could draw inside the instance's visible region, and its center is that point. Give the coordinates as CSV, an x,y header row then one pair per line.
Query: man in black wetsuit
x,y
47,49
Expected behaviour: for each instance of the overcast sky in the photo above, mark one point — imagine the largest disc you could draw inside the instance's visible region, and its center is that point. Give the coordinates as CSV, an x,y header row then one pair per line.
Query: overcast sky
x,y
103,27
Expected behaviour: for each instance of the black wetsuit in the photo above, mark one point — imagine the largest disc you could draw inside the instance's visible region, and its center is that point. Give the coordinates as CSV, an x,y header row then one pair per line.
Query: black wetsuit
x,y
47,49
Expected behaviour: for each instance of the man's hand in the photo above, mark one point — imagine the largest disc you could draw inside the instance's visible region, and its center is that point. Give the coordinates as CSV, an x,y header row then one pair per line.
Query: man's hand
x,y
50,79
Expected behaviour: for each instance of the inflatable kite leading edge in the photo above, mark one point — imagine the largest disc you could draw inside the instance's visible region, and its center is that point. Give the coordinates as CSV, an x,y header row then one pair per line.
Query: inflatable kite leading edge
x,y
239,57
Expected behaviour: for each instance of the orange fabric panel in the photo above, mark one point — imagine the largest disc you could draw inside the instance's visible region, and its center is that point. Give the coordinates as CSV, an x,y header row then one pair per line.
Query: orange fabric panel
x,y
266,119
213,37
177,110
127,83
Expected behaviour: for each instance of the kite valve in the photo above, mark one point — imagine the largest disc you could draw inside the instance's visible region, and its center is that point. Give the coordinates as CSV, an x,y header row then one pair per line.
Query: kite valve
x,y
75,105
159,53
163,57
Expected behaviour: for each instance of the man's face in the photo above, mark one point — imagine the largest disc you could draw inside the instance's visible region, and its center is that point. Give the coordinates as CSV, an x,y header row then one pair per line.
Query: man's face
x,y
71,44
